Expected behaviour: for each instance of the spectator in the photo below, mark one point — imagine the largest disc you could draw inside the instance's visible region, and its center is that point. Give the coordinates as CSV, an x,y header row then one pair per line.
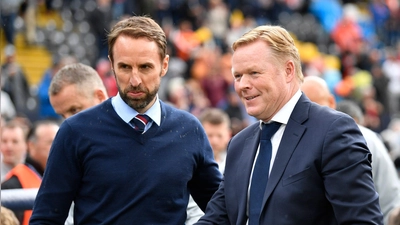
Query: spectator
x,y
185,40
74,88
9,11
14,81
46,111
391,69
217,20
7,106
100,20
347,33
217,125
7,217
380,14
29,174
13,146
214,84
29,16
391,135
103,68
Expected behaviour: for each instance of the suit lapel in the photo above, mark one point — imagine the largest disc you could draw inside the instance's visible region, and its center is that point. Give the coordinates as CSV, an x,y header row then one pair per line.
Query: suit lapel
x,y
293,132
243,173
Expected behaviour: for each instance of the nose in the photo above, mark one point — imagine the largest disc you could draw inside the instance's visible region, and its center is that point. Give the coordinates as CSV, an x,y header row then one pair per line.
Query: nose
x,y
135,79
6,145
67,115
243,82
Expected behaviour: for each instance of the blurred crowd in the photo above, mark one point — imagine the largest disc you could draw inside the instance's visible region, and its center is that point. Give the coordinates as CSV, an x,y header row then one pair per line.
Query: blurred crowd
x,y
353,45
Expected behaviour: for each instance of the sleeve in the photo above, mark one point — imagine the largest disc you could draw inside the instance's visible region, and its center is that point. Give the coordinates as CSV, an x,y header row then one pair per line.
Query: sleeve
x,y
60,181
193,212
207,176
347,174
384,173
216,212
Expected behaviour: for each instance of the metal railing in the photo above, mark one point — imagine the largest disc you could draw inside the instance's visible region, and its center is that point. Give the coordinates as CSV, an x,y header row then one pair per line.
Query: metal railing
x,y
18,199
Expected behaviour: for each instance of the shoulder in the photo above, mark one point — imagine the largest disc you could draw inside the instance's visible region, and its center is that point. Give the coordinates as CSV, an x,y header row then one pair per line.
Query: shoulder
x,y
375,144
95,112
246,132
368,134
326,115
307,112
172,113
89,119
11,183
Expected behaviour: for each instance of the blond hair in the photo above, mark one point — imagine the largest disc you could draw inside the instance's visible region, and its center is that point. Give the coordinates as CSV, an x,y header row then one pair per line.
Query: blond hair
x,y
280,42
8,217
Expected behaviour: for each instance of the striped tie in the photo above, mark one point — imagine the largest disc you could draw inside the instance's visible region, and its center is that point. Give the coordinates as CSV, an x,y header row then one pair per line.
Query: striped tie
x,y
139,122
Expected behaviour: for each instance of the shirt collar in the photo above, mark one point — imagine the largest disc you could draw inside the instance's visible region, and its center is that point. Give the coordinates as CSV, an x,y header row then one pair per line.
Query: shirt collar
x,y
127,113
283,115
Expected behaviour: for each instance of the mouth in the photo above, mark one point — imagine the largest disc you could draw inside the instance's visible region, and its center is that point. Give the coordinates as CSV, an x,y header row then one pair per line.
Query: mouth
x,y
248,98
135,93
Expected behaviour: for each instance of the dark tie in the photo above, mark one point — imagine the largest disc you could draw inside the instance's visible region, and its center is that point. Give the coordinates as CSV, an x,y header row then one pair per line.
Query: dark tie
x,y
140,122
261,172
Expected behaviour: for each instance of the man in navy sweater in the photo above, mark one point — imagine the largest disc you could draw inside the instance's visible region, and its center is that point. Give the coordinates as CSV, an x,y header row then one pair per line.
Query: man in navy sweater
x,y
115,172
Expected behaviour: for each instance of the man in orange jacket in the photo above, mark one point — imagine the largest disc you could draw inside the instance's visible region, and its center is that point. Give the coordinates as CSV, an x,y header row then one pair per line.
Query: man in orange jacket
x,y
29,174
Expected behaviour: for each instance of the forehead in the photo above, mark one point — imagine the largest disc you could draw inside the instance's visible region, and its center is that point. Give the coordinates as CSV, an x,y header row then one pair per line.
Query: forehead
x,y
12,132
69,96
250,54
222,127
128,48
46,129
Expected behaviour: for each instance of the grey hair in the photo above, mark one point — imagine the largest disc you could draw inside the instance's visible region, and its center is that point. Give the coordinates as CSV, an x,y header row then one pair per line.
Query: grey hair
x,y
352,109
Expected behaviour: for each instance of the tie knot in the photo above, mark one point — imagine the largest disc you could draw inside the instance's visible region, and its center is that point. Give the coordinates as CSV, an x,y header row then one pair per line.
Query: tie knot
x,y
269,129
140,122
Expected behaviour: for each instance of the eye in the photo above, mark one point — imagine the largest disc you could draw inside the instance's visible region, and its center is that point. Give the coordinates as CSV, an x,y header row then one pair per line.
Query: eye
x,y
146,66
237,76
124,67
75,110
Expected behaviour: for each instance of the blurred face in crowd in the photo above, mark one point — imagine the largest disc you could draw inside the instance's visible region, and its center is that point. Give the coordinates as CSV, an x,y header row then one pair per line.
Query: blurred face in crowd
x,y
70,100
39,146
13,145
138,70
218,135
317,91
263,83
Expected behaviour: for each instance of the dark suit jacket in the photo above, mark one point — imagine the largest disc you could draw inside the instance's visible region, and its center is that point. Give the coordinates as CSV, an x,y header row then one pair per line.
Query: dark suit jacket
x,y
321,174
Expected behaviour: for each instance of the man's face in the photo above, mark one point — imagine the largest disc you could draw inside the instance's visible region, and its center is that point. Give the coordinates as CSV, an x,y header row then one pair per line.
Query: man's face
x,y
13,145
138,70
260,80
70,101
218,136
39,148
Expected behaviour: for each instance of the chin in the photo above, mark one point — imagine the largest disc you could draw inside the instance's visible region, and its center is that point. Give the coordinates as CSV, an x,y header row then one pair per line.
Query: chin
x,y
252,109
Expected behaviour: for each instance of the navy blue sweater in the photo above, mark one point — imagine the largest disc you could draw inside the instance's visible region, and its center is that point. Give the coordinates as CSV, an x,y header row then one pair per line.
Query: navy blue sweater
x,y
118,176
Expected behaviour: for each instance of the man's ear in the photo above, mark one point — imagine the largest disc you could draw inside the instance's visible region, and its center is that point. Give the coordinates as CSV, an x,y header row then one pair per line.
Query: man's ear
x,y
100,95
165,63
111,65
332,101
290,70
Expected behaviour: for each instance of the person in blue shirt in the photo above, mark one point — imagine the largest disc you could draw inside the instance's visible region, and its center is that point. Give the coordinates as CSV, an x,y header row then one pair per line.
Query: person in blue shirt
x,y
116,174
46,110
